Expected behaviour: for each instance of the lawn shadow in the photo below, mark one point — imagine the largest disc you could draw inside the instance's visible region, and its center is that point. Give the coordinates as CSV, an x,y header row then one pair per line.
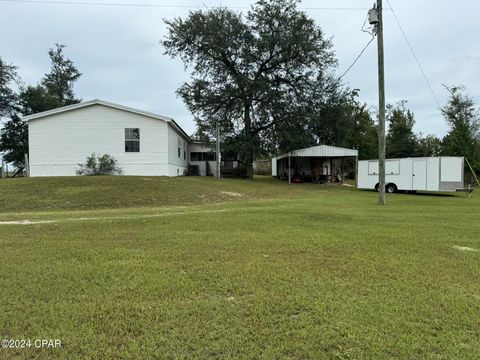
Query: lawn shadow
x,y
435,194
415,193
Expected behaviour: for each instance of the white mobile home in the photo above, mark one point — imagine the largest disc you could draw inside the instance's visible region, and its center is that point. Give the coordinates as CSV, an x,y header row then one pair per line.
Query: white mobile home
x,y
414,174
143,143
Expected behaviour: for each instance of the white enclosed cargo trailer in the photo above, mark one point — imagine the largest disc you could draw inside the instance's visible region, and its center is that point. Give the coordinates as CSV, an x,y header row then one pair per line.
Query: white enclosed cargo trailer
x,y
414,174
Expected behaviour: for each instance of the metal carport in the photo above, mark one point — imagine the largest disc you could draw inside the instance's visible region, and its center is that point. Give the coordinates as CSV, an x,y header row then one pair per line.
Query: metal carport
x,y
314,164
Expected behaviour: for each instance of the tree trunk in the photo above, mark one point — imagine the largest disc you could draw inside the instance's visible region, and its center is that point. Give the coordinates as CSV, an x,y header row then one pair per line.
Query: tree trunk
x,y
250,146
249,167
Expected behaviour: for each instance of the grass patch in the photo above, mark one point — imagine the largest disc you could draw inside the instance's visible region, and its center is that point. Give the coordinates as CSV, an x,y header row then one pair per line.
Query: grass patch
x,y
296,271
110,192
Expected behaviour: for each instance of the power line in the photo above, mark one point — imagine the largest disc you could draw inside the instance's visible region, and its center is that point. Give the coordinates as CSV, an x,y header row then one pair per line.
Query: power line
x,y
357,58
430,87
49,2
96,3
335,8
361,52
414,55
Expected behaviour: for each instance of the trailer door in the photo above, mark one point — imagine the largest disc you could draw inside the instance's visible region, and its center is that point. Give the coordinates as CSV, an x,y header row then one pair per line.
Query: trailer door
x,y
419,181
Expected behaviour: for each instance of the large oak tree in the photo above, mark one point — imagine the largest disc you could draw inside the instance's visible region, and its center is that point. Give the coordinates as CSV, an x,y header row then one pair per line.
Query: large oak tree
x,y
254,74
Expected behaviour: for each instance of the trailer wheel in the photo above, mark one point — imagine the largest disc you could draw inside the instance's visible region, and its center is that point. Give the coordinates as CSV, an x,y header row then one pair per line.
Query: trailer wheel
x,y
391,188
376,187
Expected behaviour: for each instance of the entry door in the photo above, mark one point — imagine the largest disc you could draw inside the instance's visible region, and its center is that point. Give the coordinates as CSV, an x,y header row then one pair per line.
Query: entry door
x,y
419,175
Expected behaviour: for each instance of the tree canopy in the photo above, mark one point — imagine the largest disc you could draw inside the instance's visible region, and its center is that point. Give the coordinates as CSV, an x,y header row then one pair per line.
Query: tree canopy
x,y
8,97
429,145
58,83
53,91
361,130
256,74
463,117
401,140
13,137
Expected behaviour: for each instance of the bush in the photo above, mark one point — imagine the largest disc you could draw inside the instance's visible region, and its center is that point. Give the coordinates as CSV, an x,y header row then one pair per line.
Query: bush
x,y
99,165
240,172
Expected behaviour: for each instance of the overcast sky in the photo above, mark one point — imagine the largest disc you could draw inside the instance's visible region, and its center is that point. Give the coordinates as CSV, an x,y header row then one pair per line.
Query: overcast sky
x,y
117,49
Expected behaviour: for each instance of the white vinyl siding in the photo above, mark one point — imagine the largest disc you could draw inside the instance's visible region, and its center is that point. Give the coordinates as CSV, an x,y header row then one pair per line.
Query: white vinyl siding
x,y
59,142
177,165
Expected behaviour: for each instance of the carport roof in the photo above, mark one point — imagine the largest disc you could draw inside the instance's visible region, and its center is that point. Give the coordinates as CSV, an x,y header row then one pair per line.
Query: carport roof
x,y
321,151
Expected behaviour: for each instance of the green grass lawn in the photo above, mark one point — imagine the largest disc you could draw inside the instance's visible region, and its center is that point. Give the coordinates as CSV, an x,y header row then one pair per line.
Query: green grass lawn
x,y
197,268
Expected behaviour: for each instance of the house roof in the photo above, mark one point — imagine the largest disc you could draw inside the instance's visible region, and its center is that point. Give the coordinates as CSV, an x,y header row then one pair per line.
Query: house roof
x,y
107,104
321,151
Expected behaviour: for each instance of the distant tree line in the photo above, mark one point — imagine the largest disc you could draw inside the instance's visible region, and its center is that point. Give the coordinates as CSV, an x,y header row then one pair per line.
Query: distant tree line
x,y
54,90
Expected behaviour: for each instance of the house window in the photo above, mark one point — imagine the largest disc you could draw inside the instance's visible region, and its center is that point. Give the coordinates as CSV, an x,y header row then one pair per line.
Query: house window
x,y
203,156
132,140
179,148
195,156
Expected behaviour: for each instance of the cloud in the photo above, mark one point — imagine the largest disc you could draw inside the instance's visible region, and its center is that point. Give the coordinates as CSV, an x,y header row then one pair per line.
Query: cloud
x,y
117,49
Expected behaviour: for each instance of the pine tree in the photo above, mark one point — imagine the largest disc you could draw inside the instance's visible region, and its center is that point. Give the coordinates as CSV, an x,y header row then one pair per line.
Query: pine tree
x,y
401,141
61,78
55,90
463,138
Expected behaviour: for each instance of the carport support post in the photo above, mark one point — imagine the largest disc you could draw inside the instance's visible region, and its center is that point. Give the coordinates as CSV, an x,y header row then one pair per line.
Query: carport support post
x,y
289,167
356,172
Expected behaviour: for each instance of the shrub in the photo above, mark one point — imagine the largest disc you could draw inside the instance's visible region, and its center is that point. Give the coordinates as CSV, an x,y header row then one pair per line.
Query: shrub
x,y
99,165
240,172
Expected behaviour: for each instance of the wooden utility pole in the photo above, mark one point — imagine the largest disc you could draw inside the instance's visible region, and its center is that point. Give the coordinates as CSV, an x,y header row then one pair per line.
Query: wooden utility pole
x,y
218,151
381,106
